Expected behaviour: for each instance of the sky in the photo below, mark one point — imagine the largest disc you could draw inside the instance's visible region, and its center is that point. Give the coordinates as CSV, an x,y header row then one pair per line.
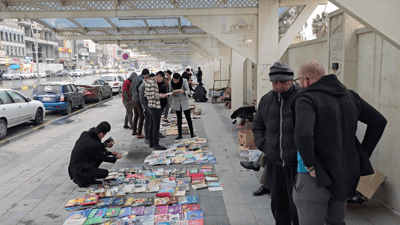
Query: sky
x,y
307,32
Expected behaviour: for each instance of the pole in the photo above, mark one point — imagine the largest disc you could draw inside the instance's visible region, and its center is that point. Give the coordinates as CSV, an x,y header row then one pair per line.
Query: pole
x,y
37,50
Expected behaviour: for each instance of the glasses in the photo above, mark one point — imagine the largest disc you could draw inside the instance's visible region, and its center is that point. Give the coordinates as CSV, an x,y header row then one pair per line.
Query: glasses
x,y
297,79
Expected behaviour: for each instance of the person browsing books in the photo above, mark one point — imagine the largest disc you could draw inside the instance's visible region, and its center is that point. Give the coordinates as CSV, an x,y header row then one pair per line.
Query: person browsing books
x,y
88,154
179,101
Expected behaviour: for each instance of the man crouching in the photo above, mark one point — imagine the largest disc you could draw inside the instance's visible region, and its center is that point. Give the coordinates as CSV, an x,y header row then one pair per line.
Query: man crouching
x,y
88,154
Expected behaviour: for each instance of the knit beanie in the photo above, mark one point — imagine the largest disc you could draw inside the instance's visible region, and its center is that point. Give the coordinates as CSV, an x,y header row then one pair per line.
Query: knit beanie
x,y
280,72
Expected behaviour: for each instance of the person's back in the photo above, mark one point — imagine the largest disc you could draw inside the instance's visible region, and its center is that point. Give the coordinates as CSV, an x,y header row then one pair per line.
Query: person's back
x,y
200,94
135,88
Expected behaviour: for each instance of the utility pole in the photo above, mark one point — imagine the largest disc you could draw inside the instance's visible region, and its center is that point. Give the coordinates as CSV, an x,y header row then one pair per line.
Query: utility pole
x,y
37,50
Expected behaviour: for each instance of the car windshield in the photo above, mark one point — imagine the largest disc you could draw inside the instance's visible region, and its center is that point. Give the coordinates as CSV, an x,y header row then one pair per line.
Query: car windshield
x,y
108,78
8,72
54,89
84,82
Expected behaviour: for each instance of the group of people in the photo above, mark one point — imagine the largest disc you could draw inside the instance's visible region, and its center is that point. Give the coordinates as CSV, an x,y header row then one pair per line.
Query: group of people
x,y
312,158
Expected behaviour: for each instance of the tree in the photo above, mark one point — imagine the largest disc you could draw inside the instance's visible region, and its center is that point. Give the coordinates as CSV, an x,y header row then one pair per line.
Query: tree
x,y
320,25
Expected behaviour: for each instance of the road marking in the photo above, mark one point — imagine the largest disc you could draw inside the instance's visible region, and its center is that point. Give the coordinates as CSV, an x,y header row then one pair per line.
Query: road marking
x,y
24,88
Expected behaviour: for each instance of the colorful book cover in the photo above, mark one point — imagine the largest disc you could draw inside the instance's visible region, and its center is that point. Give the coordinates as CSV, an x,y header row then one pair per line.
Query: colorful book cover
x,y
92,213
175,209
119,201
195,215
163,223
74,202
149,201
190,207
150,210
181,222
124,212
161,201
196,222
112,212
75,221
172,200
90,200
161,210
101,212
138,211
138,202
216,188
188,200
129,202
162,218
79,214
105,202
214,184
94,220
174,217
142,219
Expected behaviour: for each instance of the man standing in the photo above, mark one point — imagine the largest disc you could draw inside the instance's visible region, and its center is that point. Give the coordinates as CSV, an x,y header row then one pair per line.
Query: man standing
x,y
167,80
153,99
326,115
199,76
88,154
143,101
137,107
127,100
186,74
273,135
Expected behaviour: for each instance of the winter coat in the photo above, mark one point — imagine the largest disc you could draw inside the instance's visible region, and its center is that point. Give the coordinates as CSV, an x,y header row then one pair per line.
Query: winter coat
x,y
273,127
142,98
180,100
326,115
200,94
135,88
87,155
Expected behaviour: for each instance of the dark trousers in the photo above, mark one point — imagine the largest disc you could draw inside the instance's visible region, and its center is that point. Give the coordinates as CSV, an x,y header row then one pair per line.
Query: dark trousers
x,y
166,110
129,113
154,126
146,122
315,204
188,119
281,181
137,108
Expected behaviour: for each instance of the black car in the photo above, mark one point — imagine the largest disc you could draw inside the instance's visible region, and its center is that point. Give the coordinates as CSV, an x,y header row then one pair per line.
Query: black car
x,y
62,73
59,96
50,73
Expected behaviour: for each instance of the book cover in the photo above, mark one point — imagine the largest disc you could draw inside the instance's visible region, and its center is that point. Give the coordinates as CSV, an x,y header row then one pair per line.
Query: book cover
x,y
150,210
195,215
92,213
112,212
161,210
74,202
138,211
189,200
190,207
181,222
119,201
164,223
199,186
79,214
101,212
161,201
149,201
75,221
142,219
175,209
162,218
173,200
174,217
216,188
180,193
105,202
129,202
196,222
214,184
211,178
128,188
94,220
138,202
90,200
124,212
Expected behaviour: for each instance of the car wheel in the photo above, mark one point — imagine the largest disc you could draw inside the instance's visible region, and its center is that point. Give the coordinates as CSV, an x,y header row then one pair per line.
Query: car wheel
x,y
82,104
3,129
39,117
100,97
12,78
69,108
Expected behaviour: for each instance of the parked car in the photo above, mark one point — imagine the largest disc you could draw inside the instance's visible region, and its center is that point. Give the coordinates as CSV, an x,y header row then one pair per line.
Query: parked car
x,y
16,109
11,75
115,81
26,75
88,72
93,88
59,96
50,73
62,73
77,73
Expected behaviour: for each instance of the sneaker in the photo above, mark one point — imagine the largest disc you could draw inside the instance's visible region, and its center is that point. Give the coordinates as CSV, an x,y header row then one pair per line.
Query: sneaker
x,y
178,137
160,148
140,136
127,127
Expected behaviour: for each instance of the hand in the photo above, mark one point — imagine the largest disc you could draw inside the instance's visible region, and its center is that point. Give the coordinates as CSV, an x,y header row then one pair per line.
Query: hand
x,y
181,91
110,145
119,156
163,95
312,173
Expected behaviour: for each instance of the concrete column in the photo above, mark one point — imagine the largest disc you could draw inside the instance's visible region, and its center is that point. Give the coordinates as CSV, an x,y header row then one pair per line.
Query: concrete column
x,y
237,80
249,82
225,75
209,73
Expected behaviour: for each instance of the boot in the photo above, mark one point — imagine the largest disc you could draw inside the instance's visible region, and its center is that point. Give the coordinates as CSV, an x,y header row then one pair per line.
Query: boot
x,y
178,137
261,191
249,165
159,147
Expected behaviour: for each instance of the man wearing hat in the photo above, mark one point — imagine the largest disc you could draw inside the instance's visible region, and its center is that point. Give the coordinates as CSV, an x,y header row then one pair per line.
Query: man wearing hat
x,y
273,135
88,154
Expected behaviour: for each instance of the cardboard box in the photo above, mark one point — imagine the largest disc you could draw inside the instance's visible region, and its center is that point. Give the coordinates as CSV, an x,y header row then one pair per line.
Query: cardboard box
x,y
254,155
243,151
227,93
368,185
246,139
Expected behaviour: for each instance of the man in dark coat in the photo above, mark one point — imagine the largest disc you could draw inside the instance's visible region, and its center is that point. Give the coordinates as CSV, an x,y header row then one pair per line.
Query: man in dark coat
x,y
186,74
199,76
326,114
137,106
200,93
88,154
273,135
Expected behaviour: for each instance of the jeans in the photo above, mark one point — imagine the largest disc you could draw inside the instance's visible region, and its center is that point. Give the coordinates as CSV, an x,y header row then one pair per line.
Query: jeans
x,y
137,107
129,113
166,110
154,126
188,119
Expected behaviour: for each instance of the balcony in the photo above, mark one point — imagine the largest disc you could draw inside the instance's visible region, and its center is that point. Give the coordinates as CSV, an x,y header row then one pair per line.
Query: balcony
x,y
41,41
24,22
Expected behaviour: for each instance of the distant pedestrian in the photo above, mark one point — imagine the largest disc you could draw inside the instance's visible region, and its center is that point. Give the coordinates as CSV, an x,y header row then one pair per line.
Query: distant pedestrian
x,y
199,76
137,107
186,75
127,101
167,79
326,115
145,107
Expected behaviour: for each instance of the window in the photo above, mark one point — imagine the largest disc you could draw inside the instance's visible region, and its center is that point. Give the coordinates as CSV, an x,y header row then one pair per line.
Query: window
x,y
18,98
5,98
47,89
6,36
1,36
102,82
97,82
67,89
121,79
73,88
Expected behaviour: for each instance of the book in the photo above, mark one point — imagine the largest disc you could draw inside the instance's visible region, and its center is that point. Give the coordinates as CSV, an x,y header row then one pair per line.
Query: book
x,y
92,213
138,202
189,200
195,215
79,214
119,201
74,221
214,184
112,212
162,218
161,201
216,188
190,207
142,219
161,210
208,178
148,201
90,200
94,220
128,188
175,209
129,202
173,200
74,202
101,212
196,222
150,210
199,186
105,202
124,212
138,211
179,193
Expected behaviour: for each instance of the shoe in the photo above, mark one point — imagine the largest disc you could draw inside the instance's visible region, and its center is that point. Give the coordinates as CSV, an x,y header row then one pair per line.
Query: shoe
x,y
151,146
249,165
160,148
261,191
94,181
134,133
81,185
193,136
127,127
161,136
178,137
140,136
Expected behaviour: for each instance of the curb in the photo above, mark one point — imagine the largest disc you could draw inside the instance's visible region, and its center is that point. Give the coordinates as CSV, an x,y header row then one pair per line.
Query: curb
x,y
23,88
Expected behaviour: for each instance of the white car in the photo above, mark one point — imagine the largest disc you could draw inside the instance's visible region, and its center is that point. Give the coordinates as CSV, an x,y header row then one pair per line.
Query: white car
x,y
77,73
26,75
88,72
115,81
11,75
16,109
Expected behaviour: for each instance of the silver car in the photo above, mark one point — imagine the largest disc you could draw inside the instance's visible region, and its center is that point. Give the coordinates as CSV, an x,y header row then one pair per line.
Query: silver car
x,y
11,75
16,109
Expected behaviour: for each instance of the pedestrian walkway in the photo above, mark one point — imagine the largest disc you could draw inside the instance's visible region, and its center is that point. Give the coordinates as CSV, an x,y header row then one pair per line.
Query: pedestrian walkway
x,y
34,182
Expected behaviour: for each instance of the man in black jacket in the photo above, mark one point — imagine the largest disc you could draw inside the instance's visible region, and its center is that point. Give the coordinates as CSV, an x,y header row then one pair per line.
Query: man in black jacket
x,y
199,76
200,93
137,106
88,154
326,114
273,134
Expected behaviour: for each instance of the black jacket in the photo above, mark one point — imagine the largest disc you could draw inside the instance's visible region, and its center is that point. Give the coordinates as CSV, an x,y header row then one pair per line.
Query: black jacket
x,y
199,76
200,94
326,115
87,155
163,90
273,127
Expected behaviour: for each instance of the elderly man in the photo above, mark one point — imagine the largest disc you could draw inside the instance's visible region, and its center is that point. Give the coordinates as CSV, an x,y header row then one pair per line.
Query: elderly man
x,y
326,114
88,154
273,134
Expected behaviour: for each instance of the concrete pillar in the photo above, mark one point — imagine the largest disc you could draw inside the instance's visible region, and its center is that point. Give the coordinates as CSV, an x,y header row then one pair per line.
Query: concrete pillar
x,y
237,80
225,75
248,82
210,72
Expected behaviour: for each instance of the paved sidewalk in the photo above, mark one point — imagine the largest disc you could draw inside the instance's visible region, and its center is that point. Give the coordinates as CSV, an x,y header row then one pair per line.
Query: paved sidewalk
x,y
34,183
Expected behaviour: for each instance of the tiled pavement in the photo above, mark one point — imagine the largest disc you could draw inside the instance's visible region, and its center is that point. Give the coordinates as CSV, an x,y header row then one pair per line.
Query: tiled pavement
x,y
34,183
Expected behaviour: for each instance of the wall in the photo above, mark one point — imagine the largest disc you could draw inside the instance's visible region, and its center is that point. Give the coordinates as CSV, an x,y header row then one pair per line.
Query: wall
x,y
44,67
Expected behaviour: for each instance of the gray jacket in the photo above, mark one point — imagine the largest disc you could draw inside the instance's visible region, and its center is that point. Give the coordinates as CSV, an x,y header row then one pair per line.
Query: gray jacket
x,y
142,97
135,88
180,100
